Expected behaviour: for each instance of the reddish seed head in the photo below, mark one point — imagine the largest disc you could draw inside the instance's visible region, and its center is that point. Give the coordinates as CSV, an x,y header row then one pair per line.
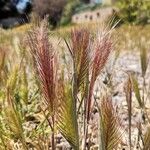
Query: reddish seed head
x,y
45,62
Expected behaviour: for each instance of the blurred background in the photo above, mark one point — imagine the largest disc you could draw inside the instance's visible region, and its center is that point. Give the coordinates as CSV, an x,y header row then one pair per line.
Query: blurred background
x,y
66,12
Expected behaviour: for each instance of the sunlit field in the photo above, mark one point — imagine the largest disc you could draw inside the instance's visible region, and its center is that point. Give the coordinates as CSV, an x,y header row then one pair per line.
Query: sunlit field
x,y
77,87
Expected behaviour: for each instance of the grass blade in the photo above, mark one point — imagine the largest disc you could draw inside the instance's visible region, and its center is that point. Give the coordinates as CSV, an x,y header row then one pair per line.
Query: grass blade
x,y
137,91
144,60
128,92
66,115
147,140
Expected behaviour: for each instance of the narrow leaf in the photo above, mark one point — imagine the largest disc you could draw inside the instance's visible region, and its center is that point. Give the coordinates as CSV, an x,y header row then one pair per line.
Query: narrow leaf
x,y
66,115
144,60
136,90
128,92
147,140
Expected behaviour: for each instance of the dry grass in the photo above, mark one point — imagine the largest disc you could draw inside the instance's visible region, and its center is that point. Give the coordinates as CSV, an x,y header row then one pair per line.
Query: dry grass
x,y
52,82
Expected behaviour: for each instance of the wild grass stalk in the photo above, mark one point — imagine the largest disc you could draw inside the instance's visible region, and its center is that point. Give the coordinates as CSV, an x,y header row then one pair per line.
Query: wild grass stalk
x,y
128,92
46,66
68,91
110,131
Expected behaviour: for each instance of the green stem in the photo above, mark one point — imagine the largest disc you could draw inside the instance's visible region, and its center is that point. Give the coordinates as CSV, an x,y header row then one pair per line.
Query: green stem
x,y
53,134
74,96
24,144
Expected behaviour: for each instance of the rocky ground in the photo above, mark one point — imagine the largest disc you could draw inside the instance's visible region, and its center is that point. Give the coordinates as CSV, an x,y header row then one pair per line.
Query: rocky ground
x,y
127,62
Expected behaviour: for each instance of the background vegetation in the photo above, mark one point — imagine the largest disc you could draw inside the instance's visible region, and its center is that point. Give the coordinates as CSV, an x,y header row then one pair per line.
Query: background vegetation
x,y
134,11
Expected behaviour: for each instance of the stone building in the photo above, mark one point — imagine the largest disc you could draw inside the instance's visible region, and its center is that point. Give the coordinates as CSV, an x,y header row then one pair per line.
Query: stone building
x,y
98,15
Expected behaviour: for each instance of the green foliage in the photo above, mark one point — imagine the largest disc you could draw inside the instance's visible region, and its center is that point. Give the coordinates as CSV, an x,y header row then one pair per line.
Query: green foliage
x,y
144,60
134,11
66,114
24,86
69,11
12,80
137,90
